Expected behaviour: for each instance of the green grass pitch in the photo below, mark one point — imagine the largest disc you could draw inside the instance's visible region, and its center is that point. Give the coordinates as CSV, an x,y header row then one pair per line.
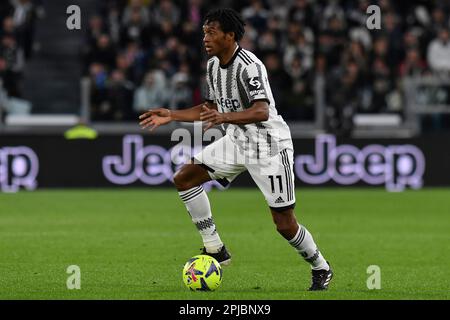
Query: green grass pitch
x,y
133,243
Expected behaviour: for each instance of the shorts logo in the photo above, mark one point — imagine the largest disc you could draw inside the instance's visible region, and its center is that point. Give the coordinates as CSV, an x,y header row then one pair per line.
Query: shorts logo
x,y
279,200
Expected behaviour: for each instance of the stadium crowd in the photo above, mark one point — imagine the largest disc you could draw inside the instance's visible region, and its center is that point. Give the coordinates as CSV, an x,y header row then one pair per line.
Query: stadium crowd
x,y
143,54
17,20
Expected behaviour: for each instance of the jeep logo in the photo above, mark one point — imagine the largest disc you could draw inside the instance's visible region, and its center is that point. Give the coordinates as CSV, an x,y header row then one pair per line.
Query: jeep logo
x,y
229,104
396,166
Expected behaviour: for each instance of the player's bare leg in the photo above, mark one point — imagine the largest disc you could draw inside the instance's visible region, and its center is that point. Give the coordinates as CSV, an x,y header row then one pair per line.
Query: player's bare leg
x,y
190,176
286,223
300,238
188,180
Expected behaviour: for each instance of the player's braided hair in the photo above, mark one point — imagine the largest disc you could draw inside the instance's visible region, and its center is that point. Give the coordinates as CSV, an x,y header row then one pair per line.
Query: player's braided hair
x,y
229,20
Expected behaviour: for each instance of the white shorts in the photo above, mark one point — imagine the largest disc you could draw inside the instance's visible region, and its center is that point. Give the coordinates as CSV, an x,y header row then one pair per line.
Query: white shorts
x,y
274,175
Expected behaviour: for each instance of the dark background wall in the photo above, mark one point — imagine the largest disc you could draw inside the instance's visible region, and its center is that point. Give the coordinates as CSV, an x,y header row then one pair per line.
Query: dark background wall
x,y
51,161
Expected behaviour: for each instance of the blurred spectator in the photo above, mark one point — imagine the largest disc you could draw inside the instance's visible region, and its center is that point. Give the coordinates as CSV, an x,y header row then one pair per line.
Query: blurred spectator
x,y
332,40
103,52
381,51
267,42
96,29
193,13
355,52
24,17
346,93
439,21
357,14
280,81
392,31
302,13
136,11
383,84
439,52
411,40
13,64
249,39
300,97
413,65
98,77
135,27
256,15
118,101
166,11
181,93
17,21
136,60
332,10
153,92
112,20
12,53
120,96
298,44
8,27
8,79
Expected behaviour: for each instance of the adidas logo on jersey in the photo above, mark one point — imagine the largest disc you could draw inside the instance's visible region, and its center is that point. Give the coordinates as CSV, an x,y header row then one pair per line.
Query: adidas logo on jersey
x,y
279,200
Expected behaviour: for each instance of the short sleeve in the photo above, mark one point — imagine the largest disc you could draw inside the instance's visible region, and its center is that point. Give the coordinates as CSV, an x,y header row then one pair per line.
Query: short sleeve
x,y
254,80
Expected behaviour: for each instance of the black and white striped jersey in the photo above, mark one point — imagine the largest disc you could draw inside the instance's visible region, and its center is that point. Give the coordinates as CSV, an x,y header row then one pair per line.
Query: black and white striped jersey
x,y
234,87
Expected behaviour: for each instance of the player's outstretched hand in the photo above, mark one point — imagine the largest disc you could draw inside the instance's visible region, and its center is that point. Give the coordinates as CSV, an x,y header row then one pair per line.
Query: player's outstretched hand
x,y
155,118
212,117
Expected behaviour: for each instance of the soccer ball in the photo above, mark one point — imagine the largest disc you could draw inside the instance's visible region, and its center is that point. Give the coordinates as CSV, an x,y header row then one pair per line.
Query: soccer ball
x,y
202,273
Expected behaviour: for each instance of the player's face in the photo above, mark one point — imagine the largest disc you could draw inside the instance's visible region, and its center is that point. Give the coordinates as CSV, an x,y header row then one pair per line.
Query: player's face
x,y
215,40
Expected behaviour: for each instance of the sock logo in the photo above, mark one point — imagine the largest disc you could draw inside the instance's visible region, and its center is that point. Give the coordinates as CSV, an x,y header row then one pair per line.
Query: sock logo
x,y
314,257
204,224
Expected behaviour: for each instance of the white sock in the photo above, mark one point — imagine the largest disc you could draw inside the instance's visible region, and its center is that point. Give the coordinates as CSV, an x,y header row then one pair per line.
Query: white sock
x,y
303,242
197,204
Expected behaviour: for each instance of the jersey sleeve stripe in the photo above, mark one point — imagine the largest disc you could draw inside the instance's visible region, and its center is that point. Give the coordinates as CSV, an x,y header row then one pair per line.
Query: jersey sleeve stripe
x,y
211,81
229,80
247,56
219,86
245,59
241,89
260,74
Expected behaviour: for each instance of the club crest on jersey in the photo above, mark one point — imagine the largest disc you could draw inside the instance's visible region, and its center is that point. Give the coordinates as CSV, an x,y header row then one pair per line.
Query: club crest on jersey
x,y
230,104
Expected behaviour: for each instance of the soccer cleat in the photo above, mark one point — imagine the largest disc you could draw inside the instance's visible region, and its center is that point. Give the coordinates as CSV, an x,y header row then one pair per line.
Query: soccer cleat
x,y
223,256
321,279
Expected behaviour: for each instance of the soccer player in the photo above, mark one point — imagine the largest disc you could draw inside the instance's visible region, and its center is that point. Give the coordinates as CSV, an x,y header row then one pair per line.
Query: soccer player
x,y
257,139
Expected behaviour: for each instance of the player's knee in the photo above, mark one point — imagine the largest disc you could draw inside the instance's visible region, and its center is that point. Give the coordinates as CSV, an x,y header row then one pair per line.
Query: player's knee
x,y
284,227
181,180
285,221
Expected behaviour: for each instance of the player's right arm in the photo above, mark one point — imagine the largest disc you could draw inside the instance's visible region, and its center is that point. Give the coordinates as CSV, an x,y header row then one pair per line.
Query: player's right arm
x,y
157,117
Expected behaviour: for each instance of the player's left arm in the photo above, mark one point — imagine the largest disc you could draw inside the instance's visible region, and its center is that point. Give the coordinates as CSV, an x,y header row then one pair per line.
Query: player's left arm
x,y
259,111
